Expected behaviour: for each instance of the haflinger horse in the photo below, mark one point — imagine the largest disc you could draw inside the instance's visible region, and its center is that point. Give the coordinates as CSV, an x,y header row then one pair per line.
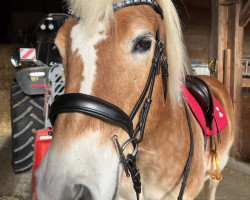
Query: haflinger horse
x,y
123,113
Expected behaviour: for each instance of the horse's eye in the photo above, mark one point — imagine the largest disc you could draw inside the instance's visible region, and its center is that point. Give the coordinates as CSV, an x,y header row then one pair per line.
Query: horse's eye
x,y
142,45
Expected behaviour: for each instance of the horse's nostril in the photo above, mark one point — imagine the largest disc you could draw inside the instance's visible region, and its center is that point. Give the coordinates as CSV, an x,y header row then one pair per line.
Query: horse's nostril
x,y
82,192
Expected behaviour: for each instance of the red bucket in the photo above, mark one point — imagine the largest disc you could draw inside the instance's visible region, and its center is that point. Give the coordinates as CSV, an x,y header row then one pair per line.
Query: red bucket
x,y
41,146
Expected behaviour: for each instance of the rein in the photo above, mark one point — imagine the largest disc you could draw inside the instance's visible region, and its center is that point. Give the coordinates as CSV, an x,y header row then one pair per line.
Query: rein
x,y
103,110
190,154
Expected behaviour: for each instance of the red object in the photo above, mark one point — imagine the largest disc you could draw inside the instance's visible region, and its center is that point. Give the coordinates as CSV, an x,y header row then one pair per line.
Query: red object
x,y
42,143
27,53
220,121
39,85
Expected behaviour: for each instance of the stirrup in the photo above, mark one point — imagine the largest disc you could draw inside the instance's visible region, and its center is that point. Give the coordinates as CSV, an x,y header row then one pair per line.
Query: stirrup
x,y
215,173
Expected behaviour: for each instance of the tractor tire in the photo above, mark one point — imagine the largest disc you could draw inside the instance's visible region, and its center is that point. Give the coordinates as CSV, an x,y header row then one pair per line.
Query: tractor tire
x,y
26,117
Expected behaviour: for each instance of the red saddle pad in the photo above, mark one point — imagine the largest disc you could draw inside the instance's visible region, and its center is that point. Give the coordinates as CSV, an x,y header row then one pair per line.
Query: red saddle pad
x,y
220,118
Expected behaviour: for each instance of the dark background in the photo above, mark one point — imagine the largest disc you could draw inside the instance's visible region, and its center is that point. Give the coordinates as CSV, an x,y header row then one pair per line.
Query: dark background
x,y
19,16
14,11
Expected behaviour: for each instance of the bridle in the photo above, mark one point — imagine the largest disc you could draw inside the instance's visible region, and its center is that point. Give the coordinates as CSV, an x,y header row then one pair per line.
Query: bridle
x,y
103,110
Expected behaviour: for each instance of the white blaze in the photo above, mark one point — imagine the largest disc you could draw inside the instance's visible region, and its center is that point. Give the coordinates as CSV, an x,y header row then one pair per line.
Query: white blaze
x,y
85,46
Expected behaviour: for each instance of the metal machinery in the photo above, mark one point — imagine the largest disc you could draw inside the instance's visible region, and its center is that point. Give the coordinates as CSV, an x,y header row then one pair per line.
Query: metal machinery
x,y
35,86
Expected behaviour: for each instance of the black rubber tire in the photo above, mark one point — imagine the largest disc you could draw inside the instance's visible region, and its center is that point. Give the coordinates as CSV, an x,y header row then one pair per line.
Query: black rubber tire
x,y
26,117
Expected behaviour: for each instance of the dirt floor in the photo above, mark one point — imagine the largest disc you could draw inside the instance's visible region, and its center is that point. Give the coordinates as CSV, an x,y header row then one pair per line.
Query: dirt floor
x,y
234,186
12,186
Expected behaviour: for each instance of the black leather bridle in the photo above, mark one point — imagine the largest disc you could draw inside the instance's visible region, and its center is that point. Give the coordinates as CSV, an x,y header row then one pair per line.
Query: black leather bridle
x,y
103,110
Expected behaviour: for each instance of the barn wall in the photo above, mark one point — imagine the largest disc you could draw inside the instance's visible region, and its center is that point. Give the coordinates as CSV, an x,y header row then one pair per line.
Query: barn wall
x,y
245,140
196,29
245,149
246,49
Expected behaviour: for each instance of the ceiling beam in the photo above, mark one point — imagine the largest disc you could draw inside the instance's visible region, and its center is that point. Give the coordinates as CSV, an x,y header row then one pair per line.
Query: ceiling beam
x,y
245,14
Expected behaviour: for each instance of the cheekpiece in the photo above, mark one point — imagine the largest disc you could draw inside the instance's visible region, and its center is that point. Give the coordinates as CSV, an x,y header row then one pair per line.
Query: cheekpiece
x,y
127,3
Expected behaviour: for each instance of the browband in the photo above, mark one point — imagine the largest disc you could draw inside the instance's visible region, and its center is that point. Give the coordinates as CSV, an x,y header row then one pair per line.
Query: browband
x,y
127,3
92,106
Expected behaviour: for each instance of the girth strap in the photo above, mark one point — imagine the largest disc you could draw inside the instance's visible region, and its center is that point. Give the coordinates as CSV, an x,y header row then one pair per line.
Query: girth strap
x,y
92,106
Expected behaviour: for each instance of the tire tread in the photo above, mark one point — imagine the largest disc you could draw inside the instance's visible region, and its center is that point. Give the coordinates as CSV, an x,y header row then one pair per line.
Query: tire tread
x,y
26,117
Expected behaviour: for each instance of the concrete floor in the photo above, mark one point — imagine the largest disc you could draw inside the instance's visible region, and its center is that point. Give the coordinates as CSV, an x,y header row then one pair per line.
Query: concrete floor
x,y
234,186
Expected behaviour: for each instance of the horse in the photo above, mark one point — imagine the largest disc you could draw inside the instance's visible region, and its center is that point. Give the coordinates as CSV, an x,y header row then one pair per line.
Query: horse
x,y
125,64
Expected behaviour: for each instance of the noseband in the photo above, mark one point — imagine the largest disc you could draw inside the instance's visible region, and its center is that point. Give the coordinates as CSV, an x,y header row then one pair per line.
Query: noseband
x,y
110,113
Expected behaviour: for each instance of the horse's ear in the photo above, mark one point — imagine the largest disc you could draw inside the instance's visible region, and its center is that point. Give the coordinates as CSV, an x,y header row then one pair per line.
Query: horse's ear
x,y
62,40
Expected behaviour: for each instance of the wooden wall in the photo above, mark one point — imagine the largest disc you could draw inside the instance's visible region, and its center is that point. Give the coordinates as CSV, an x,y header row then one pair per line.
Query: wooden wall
x,y
196,29
246,47
245,139
245,149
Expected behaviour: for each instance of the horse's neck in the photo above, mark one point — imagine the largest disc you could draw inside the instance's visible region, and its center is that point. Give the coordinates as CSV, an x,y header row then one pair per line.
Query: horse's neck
x,y
166,148
172,131
174,120
170,126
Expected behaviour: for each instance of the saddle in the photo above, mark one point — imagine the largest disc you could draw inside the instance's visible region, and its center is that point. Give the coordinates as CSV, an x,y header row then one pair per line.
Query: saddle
x,y
201,92
213,113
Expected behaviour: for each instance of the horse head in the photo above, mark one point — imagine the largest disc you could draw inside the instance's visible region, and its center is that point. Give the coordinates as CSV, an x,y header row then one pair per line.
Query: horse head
x,y
108,51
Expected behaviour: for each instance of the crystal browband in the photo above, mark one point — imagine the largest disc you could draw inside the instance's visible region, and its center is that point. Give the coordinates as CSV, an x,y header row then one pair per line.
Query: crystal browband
x,y
127,3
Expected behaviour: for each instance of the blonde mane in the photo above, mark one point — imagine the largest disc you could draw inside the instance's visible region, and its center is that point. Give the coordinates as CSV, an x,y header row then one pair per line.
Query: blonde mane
x,y
90,12
176,50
